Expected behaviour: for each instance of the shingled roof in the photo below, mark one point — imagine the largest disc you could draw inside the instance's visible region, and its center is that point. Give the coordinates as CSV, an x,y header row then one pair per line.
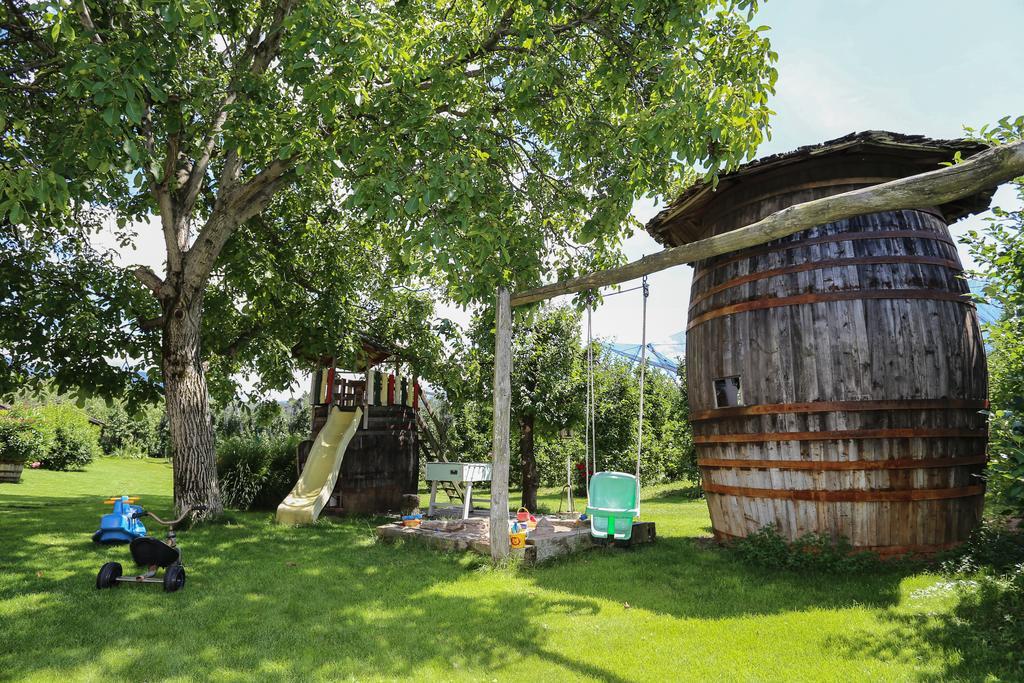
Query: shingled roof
x,y
683,216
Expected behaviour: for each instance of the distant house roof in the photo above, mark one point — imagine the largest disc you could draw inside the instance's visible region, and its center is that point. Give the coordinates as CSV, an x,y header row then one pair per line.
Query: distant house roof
x,y
681,222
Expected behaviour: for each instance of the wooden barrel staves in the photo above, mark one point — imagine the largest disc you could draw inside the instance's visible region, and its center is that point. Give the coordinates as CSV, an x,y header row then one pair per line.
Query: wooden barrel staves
x,y
836,377
10,472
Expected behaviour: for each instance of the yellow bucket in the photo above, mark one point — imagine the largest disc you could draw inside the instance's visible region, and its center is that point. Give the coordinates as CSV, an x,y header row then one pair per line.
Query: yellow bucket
x,y
517,540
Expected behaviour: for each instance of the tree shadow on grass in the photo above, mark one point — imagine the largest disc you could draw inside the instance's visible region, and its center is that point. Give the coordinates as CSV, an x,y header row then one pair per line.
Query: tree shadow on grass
x,y
972,639
262,601
676,576
272,602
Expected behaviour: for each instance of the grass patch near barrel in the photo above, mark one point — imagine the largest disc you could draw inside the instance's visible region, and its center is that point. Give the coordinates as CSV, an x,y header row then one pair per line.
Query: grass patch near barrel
x,y
329,603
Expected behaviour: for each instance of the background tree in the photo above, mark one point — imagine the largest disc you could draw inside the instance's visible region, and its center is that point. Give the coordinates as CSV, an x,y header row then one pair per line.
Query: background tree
x,y
547,380
436,120
667,443
998,249
548,393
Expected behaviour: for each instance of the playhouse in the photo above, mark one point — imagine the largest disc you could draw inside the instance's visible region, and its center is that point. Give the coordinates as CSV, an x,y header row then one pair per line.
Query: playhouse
x,y
376,408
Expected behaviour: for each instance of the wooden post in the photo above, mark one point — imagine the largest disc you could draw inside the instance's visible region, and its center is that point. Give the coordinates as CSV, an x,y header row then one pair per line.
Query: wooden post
x,y
366,394
502,417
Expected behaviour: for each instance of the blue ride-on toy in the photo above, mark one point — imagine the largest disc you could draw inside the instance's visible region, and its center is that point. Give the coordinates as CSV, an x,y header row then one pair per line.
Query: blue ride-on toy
x,y
122,524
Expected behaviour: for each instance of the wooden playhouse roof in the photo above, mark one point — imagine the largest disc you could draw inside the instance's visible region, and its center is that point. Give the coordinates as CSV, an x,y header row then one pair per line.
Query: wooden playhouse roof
x,y
682,221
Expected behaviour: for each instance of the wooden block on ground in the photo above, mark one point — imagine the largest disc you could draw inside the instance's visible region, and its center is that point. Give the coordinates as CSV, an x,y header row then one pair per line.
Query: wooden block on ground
x,y
643,532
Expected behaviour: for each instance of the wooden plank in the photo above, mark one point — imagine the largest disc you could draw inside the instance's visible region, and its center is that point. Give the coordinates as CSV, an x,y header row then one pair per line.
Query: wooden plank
x,y
803,299
848,495
809,185
838,238
823,265
837,406
843,465
841,435
502,416
980,172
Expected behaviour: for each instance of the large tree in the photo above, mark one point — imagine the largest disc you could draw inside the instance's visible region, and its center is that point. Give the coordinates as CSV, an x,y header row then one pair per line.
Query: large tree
x,y
495,142
547,379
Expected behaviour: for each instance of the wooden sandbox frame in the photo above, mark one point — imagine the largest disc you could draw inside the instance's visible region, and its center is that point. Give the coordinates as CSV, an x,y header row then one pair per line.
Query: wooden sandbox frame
x,y
553,537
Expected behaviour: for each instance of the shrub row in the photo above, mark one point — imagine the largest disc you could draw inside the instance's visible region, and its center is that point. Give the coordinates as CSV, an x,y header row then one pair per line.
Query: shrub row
x,y
58,437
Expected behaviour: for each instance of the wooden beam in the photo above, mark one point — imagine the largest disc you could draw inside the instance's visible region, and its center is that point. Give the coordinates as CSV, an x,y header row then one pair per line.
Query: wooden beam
x,y
980,172
502,416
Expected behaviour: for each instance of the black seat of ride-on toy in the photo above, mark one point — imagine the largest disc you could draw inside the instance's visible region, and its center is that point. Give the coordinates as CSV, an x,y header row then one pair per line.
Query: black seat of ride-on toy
x,y
150,552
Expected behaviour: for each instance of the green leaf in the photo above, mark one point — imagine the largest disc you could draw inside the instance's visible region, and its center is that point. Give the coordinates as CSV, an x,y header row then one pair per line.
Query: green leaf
x,y
134,111
412,205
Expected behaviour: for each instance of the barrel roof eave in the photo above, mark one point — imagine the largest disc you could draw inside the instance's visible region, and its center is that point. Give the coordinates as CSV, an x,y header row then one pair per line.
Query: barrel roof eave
x,y
683,216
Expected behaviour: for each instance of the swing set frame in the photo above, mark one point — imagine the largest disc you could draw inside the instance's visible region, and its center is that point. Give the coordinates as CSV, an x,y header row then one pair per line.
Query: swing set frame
x,y
979,172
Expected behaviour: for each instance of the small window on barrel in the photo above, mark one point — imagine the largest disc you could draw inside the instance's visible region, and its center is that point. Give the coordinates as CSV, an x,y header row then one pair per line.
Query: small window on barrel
x,y
728,392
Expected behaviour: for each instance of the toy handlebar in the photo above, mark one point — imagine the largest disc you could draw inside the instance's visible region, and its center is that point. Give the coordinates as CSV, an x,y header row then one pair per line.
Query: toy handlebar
x,y
187,511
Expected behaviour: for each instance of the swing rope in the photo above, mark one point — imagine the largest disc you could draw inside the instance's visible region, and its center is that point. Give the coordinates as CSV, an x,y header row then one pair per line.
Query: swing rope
x,y
643,372
590,435
590,418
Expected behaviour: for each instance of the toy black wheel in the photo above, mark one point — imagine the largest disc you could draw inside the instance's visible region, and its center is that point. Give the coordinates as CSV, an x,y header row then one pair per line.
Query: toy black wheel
x,y
107,578
174,578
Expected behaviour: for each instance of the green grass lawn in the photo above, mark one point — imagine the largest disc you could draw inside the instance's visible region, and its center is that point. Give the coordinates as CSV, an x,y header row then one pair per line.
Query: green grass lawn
x,y
329,603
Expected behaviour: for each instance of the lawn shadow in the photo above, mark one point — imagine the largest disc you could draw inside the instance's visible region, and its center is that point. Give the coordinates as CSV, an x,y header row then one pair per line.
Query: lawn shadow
x,y
679,577
262,601
966,638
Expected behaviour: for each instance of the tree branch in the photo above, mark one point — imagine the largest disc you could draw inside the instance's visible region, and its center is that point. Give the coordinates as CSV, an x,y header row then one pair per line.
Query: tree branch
x,y
980,172
236,208
149,324
154,282
85,18
256,59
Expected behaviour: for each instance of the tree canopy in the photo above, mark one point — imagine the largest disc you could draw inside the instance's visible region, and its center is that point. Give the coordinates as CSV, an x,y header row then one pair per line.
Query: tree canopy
x,y
485,143
998,250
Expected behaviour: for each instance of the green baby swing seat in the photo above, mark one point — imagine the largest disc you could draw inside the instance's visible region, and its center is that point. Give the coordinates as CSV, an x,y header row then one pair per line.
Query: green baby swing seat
x,y
614,504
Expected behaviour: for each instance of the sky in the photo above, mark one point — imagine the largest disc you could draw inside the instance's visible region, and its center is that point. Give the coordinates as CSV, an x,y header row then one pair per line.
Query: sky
x,y
924,67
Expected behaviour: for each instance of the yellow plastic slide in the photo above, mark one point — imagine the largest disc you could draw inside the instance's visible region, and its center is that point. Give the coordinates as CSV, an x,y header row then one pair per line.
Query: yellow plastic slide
x,y
316,483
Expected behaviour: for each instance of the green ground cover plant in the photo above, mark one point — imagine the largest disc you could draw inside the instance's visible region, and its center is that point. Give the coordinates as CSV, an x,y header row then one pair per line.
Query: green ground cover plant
x,y
329,603
256,472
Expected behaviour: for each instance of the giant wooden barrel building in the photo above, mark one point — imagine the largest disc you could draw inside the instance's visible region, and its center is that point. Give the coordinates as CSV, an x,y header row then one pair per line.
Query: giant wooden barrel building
x,y
836,376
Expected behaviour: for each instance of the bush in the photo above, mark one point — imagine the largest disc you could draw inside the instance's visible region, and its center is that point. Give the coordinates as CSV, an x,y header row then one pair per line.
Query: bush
x,y
992,548
21,438
141,435
766,548
1005,473
994,608
988,574
256,472
72,442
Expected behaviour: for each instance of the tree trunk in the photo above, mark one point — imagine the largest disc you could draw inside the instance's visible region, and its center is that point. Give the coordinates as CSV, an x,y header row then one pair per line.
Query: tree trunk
x,y
188,410
528,461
